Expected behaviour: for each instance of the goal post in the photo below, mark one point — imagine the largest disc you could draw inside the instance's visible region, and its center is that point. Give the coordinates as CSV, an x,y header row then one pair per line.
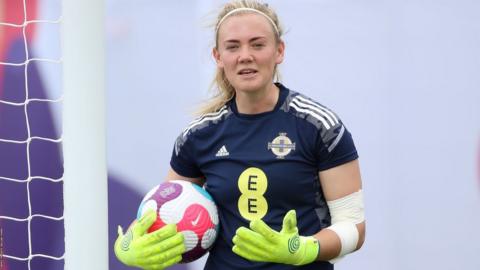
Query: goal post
x,y
85,173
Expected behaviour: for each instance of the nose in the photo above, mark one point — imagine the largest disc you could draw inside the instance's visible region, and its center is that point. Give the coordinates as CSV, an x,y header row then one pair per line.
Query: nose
x,y
245,55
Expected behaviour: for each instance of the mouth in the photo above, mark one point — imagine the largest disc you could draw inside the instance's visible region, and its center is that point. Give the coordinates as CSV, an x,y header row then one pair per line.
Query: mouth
x,y
247,72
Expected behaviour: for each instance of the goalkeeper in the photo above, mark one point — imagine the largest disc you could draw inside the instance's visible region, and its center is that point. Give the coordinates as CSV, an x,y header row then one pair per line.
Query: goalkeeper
x,y
282,168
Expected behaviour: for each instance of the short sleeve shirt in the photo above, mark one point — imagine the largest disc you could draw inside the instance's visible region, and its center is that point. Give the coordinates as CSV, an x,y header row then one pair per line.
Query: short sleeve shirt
x,y
261,166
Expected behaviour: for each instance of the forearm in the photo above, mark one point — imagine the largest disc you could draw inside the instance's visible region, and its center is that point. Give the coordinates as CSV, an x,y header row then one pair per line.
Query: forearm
x,y
330,244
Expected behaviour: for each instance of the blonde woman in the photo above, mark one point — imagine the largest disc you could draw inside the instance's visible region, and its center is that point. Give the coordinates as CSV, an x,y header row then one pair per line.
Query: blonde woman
x,y
282,168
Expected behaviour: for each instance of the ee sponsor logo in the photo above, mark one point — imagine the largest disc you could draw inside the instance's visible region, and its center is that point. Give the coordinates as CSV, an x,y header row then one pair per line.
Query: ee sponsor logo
x,y
252,184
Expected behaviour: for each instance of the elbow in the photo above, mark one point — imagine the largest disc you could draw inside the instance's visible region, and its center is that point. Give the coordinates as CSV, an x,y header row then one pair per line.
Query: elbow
x,y
361,235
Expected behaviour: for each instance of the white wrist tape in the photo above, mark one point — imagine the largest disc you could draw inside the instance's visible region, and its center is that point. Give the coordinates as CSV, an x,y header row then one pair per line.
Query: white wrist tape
x,y
346,212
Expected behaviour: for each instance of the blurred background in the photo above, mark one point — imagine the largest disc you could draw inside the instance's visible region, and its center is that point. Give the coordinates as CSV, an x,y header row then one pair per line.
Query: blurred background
x,y
404,76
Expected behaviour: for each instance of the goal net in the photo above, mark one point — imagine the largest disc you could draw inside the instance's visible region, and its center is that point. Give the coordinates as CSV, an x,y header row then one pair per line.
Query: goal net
x,y
53,189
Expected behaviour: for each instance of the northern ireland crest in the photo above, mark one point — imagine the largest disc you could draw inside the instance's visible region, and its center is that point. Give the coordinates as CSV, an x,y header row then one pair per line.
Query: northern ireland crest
x,y
281,146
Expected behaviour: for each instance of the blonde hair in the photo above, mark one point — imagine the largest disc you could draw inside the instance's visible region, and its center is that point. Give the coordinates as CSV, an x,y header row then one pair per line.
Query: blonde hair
x,y
222,90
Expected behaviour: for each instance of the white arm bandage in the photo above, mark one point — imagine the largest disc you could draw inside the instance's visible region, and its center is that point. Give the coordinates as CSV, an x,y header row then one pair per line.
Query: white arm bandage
x,y
346,212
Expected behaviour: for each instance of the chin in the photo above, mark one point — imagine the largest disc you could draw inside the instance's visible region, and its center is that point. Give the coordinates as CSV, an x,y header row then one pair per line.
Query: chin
x,y
249,86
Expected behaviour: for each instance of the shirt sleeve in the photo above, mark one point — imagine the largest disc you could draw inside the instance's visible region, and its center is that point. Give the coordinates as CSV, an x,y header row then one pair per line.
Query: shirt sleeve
x,y
182,160
335,147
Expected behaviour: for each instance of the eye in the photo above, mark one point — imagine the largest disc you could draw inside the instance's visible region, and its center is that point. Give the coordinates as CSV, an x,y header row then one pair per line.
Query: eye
x,y
258,45
231,47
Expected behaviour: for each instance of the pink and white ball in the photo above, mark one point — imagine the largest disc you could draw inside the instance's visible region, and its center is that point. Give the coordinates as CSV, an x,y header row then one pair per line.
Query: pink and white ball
x,y
191,208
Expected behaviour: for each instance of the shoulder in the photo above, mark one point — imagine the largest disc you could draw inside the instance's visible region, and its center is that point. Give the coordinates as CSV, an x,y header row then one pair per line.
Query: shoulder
x,y
207,120
311,111
329,129
202,122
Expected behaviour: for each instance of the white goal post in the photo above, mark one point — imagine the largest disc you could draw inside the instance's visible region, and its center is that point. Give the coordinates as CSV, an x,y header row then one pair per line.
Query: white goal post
x,y
85,173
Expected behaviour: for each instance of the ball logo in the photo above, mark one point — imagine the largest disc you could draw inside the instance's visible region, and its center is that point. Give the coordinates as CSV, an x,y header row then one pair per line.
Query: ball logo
x,y
195,222
167,191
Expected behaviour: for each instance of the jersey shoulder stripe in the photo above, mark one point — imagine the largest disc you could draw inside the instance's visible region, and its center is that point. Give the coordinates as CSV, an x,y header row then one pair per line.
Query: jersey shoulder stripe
x,y
312,111
325,120
205,120
199,123
316,107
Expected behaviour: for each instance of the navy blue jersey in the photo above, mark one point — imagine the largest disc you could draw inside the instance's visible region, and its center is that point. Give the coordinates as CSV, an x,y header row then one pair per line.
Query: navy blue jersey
x,y
260,166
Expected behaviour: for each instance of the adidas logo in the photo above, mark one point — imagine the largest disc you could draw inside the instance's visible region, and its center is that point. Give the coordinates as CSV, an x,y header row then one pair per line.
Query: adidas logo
x,y
222,152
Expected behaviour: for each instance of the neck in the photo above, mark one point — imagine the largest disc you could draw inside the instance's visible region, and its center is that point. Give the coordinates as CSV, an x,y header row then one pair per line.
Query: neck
x,y
256,102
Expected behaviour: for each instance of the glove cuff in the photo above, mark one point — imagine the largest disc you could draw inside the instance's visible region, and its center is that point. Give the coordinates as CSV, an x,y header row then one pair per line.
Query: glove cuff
x,y
311,249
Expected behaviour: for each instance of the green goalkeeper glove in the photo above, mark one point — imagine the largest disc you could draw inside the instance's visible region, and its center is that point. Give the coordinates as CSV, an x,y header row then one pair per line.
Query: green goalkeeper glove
x,y
156,250
262,244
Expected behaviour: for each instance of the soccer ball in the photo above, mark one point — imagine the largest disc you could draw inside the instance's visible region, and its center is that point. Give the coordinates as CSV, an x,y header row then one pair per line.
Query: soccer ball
x,y
191,208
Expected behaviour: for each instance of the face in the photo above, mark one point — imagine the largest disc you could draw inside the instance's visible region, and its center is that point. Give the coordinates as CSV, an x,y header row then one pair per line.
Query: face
x,y
248,52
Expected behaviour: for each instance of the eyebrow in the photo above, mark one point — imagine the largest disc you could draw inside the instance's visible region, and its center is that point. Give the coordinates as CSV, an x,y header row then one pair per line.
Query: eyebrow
x,y
238,41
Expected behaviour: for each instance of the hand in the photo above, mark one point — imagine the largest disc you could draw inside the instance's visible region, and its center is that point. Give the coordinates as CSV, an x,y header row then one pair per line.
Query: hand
x,y
156,250
262,244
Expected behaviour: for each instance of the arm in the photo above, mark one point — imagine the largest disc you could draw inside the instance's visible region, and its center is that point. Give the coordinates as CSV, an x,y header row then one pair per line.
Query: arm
x,y
172,175
337,183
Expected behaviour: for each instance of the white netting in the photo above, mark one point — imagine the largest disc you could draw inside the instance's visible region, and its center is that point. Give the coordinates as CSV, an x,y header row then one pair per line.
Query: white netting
x,y
25,138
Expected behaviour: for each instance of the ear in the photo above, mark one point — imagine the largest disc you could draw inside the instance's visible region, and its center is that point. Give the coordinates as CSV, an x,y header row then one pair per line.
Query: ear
x,y
216,56
280,52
